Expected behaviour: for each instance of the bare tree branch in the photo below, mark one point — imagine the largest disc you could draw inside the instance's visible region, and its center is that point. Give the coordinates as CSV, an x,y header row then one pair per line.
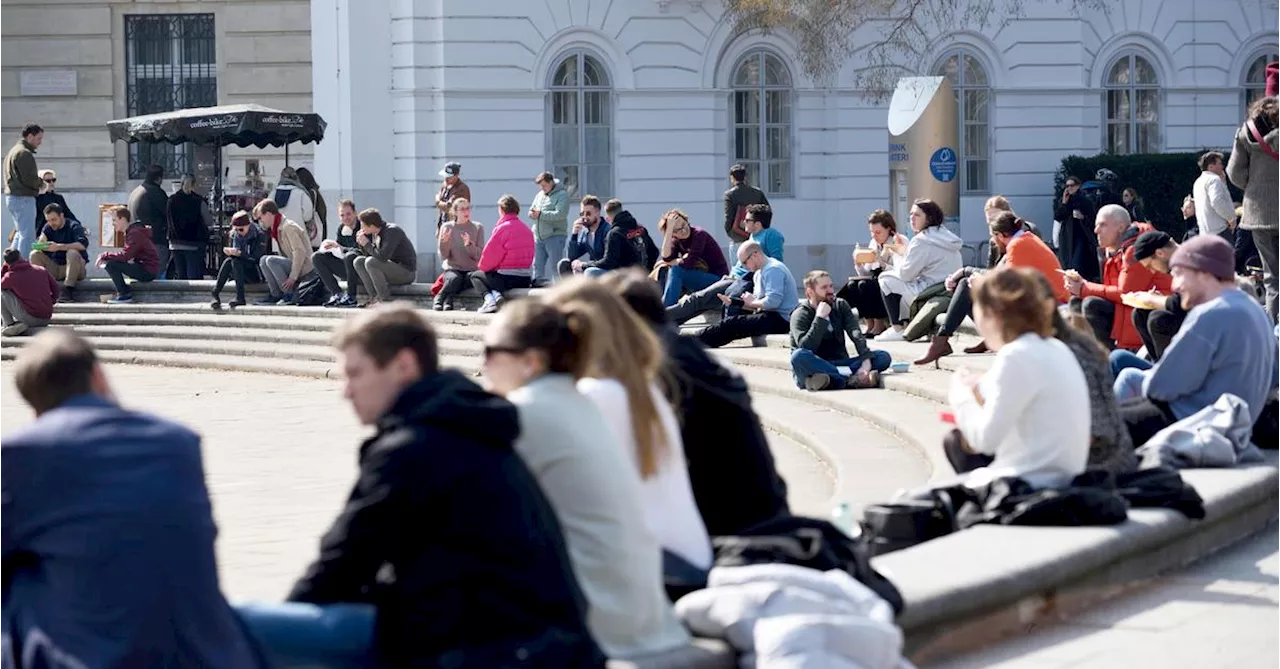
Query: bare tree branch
x,y
892,36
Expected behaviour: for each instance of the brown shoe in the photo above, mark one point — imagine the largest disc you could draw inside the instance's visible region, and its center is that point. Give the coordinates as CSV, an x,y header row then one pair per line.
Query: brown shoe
x,y
980,347
938,348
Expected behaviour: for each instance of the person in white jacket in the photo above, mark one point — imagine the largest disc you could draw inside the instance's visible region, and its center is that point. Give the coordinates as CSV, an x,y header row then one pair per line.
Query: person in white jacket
x,y
296,205
930,257
1028,416
1214,209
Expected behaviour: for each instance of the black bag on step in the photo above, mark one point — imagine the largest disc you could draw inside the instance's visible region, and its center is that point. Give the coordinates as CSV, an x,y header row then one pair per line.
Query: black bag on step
x,y
311,293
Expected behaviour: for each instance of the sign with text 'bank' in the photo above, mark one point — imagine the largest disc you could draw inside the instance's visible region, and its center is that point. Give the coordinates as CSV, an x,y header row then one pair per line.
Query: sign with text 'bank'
x,y
923,144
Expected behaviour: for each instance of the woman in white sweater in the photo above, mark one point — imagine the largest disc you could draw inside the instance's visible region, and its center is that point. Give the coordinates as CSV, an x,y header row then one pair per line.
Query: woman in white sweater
x,y
623,382
534,355
1028,416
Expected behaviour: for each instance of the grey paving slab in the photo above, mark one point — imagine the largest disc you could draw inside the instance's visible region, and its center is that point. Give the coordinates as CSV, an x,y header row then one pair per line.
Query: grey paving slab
x,y
1221,612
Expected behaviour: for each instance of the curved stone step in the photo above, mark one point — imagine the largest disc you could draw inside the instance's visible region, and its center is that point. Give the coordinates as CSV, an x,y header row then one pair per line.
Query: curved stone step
x,y
810,479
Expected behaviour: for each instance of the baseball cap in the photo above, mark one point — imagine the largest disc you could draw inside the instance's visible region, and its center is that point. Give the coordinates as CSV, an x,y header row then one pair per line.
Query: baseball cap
x,y
451,170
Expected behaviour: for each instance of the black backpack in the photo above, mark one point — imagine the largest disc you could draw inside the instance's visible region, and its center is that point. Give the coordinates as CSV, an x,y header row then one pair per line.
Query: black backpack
x,y
311,293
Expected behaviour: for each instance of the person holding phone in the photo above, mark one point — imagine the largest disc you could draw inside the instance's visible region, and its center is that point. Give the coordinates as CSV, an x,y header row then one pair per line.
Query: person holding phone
x,y
1077,244
767,308
819,358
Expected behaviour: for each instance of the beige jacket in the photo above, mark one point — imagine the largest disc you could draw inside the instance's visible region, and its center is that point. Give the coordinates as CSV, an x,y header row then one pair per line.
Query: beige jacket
x,y
295,245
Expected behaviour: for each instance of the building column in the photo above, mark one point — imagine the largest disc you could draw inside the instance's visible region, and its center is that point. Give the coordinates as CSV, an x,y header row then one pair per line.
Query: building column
x,y
351,83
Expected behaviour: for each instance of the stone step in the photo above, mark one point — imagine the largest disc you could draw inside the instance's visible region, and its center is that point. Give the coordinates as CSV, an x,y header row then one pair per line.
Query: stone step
x,y
467,343
810,479
188,308
867,464
301,329
913,420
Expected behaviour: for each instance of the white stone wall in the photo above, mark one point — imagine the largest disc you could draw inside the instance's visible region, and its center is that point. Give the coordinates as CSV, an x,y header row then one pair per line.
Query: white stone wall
x,y
468,82
263,52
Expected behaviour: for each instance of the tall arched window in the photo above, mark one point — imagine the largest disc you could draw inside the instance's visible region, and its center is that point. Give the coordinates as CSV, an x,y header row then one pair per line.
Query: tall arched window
x,y
973,102
762,99
580,116
1133,106
1255,77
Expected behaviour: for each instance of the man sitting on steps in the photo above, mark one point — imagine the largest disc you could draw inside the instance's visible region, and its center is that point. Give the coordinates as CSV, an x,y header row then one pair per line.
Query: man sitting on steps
x,y
758,223
27,293
138,260
818,328
768,306
284,272
62,248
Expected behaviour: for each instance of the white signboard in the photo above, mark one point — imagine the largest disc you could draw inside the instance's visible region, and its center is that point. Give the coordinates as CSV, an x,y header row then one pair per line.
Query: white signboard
x,y
47,82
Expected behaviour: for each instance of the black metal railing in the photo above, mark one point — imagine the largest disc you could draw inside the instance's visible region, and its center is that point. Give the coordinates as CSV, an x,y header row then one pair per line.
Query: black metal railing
x,y
170,63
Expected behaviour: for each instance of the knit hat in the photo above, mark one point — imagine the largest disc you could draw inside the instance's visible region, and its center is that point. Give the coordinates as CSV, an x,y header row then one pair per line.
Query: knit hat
x,y
1148,243
1207,253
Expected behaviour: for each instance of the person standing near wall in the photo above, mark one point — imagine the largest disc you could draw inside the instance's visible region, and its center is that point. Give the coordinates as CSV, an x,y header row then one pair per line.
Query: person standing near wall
x,y
550,214
452,190
1253,169
21,186
149,205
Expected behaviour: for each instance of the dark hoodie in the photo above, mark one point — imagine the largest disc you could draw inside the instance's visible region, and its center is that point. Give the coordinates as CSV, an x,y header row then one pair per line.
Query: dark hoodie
x,y
479,575
734,478
626,245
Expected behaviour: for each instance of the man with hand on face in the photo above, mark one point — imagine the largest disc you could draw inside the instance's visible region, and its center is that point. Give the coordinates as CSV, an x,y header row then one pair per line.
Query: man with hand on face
x,y
1077,247
818,328
339,255
588,235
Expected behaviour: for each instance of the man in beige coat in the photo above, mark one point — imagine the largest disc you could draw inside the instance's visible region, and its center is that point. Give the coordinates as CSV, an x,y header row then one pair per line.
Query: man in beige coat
x,y
284,272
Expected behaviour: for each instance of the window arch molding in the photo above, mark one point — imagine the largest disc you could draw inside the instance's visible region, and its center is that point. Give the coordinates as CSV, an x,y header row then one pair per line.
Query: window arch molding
x,y
720,61
1252,83
1132,104
978,45
971,77
1140,43
581,102
585,39
762,113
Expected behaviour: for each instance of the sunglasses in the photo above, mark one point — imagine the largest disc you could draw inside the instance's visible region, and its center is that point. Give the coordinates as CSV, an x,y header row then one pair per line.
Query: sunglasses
x,y
51,181
490,351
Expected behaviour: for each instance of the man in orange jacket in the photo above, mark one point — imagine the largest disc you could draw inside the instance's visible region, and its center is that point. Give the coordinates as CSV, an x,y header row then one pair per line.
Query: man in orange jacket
x,y
1111,319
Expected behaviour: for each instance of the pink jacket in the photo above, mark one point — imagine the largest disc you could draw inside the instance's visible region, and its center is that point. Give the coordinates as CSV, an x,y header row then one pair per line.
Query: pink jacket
x,y
510,246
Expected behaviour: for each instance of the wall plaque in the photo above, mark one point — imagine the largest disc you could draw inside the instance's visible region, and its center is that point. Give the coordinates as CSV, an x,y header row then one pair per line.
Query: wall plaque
x,y
47,82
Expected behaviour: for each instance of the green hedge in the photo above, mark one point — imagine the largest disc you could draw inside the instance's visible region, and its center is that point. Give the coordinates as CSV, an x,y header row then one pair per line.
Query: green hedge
x,y
1161,179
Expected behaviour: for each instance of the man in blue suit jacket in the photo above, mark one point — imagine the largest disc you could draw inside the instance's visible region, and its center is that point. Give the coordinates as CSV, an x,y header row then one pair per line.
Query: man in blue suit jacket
x,y
588,236
108,532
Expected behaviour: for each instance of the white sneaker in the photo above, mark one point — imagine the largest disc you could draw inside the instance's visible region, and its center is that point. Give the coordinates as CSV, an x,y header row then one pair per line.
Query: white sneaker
x,y
14,330
892,334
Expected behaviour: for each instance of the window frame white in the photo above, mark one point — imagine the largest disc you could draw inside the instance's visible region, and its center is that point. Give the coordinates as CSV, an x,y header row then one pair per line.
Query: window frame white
x,y
580,90
757,169
1132,88
961,86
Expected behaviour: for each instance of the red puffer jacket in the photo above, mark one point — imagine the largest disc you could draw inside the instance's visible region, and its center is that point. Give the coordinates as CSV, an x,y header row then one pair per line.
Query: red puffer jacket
x,y
1123,274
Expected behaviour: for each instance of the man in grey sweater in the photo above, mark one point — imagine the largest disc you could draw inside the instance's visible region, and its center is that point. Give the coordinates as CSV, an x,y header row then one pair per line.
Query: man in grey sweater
x,y
387,257
1226,345
818,328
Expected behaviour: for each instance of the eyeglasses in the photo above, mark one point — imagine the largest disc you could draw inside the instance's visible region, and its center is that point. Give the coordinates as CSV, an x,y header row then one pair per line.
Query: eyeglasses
x,y
490,351
51,181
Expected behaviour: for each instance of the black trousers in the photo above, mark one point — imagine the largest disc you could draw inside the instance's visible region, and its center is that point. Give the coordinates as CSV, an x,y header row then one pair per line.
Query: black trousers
x,y
328,267
960,308
454,282
734,328
487,281
1101,314
1144,418
960,458
188,264
863,294
119,269
243,271
1157,329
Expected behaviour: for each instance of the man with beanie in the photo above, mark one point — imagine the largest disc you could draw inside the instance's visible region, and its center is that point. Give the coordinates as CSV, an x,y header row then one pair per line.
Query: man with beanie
x,y
1111,319
1226,345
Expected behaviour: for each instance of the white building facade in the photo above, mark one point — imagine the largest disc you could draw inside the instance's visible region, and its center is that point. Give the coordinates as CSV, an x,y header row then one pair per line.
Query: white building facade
x,y
651,101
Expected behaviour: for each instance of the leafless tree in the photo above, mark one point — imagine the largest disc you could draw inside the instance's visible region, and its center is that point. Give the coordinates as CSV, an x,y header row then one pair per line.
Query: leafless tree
x,y
892,36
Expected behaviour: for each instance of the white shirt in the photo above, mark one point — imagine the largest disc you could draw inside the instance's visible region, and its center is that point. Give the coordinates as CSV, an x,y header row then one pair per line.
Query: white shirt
x,y
669,507
1035,416
1213,203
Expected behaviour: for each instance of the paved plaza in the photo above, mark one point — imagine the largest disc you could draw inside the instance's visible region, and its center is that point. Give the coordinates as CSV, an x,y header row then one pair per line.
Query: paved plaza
x,y
280,457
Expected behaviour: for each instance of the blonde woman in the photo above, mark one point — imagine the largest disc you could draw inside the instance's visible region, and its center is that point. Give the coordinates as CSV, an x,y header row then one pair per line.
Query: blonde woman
x,y
623,381
460,243
534,355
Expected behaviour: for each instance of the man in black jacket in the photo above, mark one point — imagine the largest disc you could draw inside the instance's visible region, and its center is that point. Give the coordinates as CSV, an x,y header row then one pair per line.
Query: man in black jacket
x,y
736,200
627,244
149,205
734,478
447,553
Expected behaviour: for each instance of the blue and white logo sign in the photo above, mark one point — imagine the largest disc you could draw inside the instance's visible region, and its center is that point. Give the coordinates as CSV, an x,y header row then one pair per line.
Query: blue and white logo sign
x,y
942,164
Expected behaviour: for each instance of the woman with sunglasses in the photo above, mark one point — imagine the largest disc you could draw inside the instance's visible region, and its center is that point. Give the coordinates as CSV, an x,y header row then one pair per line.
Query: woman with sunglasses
x,y
534,355
241,261
49,195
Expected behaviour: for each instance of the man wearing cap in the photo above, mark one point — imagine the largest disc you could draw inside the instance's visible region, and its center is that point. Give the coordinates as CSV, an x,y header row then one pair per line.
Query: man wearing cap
x,y
1157,324
1111,319
452,188
1226,345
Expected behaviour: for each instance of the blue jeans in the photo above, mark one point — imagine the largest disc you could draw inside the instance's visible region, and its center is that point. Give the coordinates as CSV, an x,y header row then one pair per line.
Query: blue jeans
x,y
547,253
806,363
593,272
311,636
681,281
22,213
1130,372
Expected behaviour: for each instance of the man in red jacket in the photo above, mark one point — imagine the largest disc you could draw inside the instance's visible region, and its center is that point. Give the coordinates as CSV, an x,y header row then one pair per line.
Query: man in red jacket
x,y
138,260
27,294
1111,319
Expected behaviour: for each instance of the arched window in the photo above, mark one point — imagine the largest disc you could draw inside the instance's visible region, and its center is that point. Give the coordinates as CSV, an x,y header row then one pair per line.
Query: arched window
x,y
762,99
1255,78
973,107
580,116
1133,106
